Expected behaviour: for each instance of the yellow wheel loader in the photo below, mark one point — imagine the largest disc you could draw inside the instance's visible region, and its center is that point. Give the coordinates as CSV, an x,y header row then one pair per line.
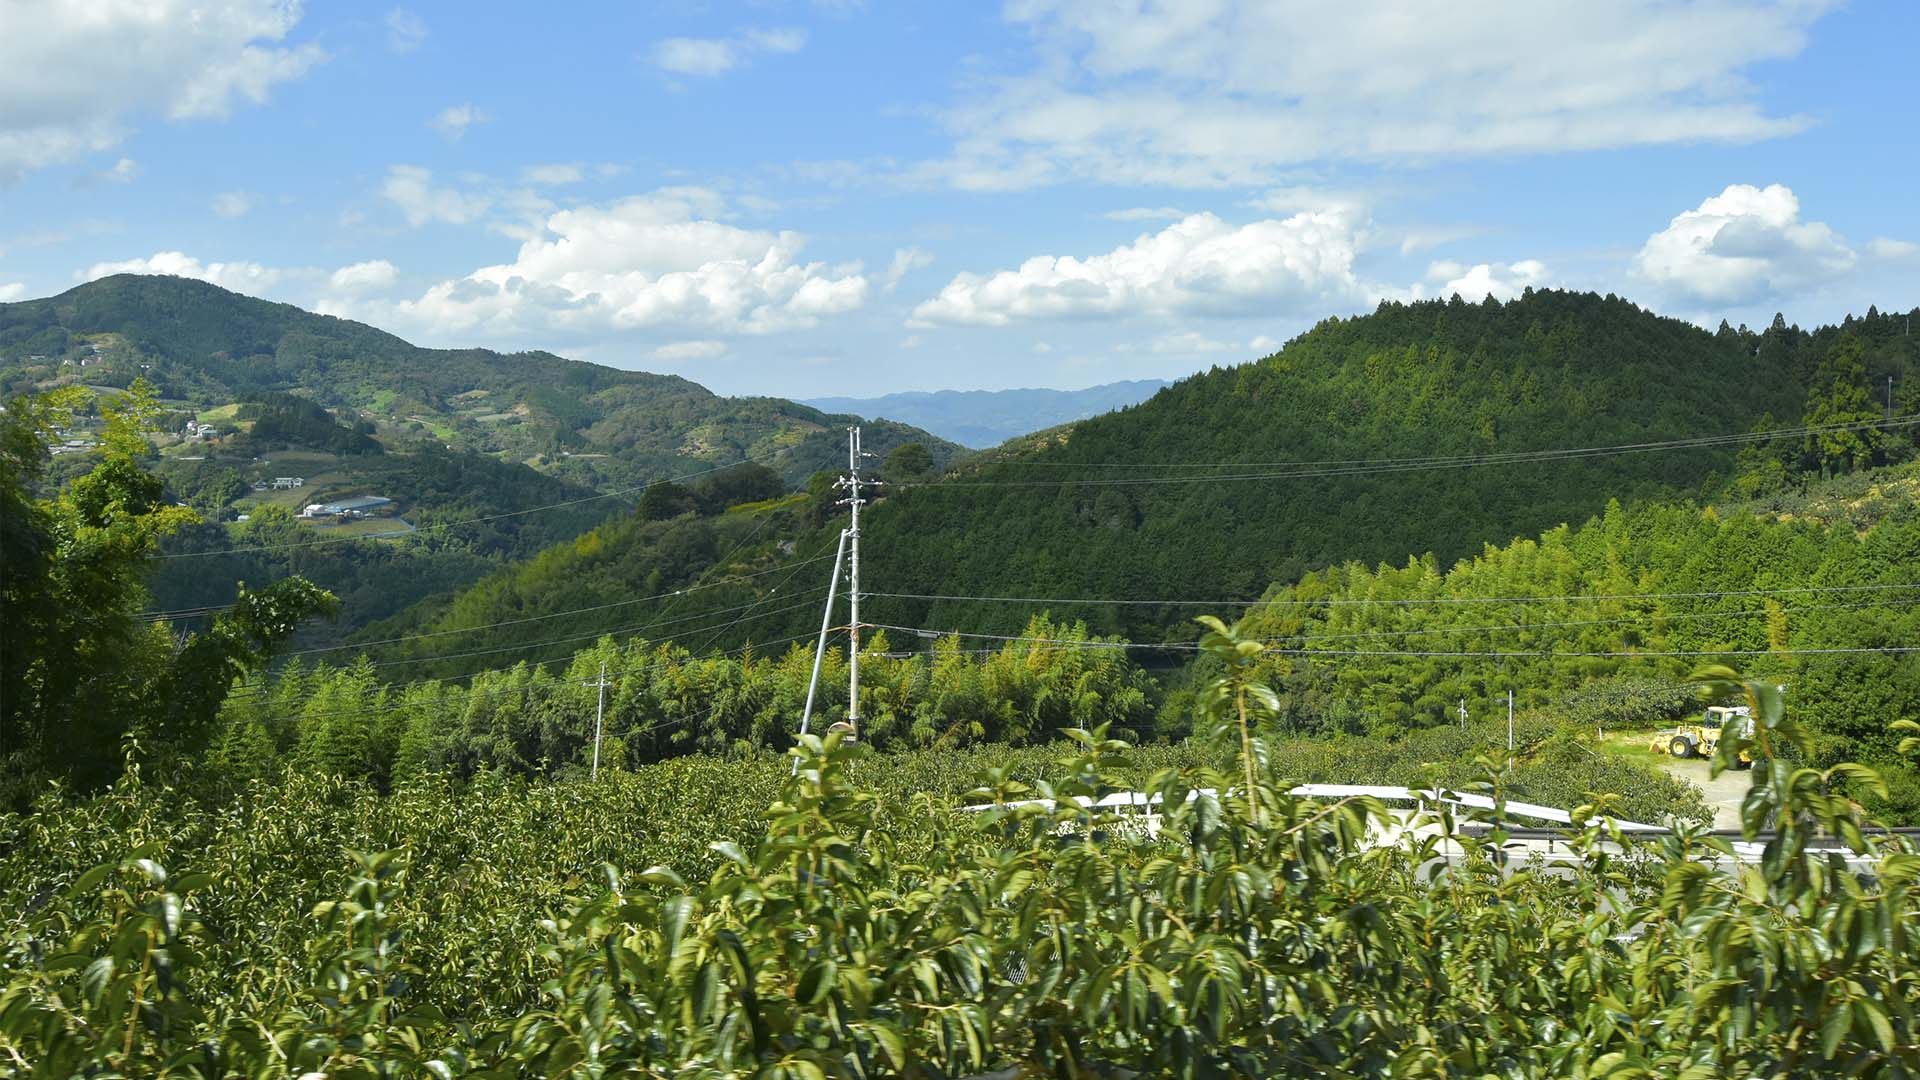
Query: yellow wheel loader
x,y
1703,739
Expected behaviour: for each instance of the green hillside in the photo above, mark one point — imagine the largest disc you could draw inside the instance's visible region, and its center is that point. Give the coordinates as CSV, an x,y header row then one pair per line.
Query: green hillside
x,y
591,424
1093,510
252,391
1243,476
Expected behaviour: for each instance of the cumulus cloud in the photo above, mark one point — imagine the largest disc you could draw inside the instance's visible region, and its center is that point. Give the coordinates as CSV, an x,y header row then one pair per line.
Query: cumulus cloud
x,y
12,291
707,57
1744,244
1232,92
232,204
1502,281
1201,265
650,261
406,30
453,121
411,188
370,276
72,76
689,350
1883,247
247,277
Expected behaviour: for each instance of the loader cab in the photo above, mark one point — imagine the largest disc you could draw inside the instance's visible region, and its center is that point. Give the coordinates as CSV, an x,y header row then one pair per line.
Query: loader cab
x,y
1717,716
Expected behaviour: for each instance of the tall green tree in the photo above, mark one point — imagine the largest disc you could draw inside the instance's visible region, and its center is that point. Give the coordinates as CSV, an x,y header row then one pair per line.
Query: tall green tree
x,y
81,672
1839,397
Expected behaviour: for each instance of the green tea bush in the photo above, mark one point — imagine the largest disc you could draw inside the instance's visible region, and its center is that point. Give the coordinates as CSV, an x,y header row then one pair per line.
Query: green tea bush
x,y
840,917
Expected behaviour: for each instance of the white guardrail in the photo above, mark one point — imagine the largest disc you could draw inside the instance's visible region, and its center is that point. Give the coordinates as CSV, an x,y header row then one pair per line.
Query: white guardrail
x,y
1141,810
1141,803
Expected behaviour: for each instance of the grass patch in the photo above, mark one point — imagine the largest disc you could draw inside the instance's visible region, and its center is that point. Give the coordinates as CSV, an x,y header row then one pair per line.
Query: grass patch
x,y
763,505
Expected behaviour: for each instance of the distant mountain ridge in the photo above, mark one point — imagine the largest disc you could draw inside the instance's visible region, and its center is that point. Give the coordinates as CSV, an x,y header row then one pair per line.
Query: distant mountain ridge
x,y
450,435
983,418
592,424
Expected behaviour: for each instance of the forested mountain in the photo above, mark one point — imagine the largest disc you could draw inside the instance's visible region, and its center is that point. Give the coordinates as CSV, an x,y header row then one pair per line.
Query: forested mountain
x,y
490,456
1248,475
983,418
1096,511
591,424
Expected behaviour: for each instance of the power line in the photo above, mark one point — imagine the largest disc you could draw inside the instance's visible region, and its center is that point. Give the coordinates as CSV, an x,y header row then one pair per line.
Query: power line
x,y
1275,649
1647,617
1406,601
808,594
1359,467
736,579
1768,435
818,557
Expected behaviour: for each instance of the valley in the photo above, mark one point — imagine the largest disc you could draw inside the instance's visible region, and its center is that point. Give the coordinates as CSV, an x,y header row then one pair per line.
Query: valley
x,y
390,616
1069,539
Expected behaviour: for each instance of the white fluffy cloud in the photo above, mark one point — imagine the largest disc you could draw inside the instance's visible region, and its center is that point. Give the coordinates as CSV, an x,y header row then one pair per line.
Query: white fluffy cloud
x,y
1212,92
1745,244
1502,281
1302,264
12,291
1883,247
370,276
72,75
247,277
708,57
656,261
410,188
453,121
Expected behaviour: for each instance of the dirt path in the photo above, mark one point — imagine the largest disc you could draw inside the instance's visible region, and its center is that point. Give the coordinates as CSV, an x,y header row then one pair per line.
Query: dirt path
x,y
1723,793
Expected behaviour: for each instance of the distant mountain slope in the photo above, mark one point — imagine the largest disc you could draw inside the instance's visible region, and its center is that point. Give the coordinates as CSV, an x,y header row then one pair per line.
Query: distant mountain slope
x,y
522,441
1235,479
1243,476
983,418
591,424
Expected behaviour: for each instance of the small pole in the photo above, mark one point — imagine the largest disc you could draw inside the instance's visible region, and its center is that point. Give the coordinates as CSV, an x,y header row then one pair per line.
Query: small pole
x,y
599,716
1509,721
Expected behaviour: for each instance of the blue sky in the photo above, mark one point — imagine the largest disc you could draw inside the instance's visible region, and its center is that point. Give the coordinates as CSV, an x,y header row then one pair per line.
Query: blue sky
x,y
822,198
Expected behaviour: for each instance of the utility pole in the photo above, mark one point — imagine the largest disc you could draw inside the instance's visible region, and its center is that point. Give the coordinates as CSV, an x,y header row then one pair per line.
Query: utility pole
x,y
599,715
852,483
1889,397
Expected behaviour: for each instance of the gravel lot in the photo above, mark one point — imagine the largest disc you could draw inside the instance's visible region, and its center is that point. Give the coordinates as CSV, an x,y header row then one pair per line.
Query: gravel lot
x,y
1723,793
